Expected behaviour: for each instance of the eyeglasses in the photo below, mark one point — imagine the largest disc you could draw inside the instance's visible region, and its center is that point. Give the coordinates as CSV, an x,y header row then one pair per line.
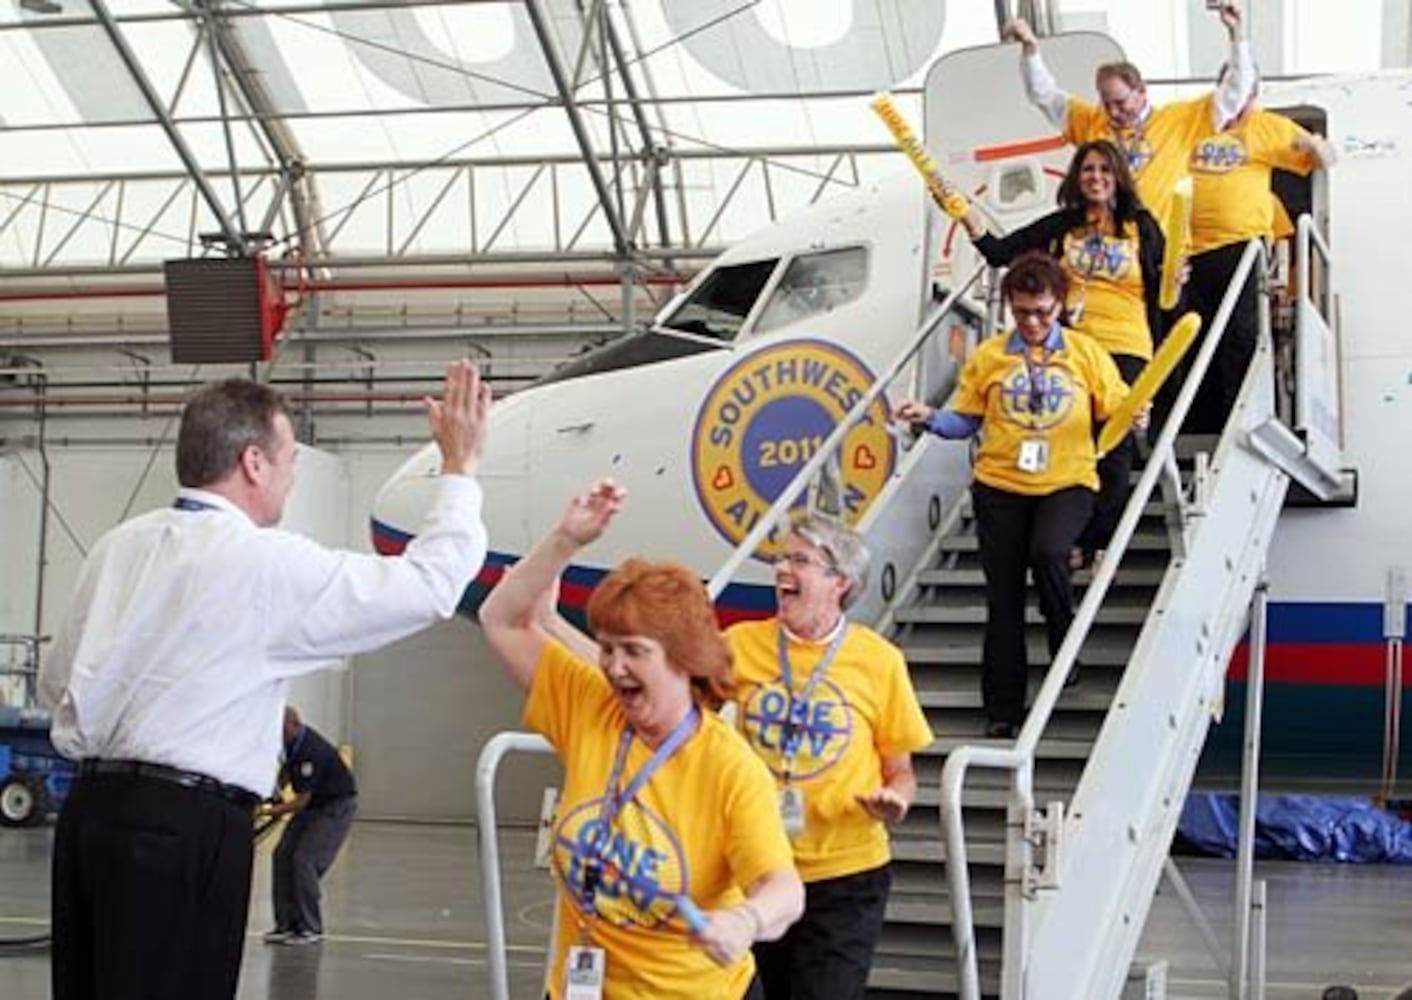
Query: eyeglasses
x,y
799,560
1043,312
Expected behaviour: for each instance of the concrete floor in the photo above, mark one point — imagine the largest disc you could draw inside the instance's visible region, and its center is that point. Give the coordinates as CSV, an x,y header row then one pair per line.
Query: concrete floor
x,y
403,911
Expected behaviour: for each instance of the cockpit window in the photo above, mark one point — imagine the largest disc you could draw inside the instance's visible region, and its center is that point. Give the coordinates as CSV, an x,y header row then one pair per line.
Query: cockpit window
x,y
816,283
719,305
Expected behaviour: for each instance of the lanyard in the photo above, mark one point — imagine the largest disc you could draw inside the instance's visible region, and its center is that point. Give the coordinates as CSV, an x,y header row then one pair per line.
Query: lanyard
x,y
793,728
615,797
191,503
1038,383
1132,144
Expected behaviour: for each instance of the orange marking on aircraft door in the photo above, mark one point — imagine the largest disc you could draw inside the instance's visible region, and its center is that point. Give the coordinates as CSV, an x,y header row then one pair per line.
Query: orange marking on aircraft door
x,y
984,154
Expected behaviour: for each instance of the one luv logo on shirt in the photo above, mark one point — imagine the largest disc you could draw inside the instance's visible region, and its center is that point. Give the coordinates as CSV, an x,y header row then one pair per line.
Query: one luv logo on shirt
x,y
1038,400
643,867
817,730
1219,154
1100,256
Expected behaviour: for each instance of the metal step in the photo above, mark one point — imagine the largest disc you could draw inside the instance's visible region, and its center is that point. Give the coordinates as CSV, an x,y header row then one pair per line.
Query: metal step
x,y
1143,541
934,976
1141,576
1109,614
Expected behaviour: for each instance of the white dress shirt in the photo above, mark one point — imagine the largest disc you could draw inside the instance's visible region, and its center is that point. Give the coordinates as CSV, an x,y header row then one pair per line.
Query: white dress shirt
x,y
186,626
1233,90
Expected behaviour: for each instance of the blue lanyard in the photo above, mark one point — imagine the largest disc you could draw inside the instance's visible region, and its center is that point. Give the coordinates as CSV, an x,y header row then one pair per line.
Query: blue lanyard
x,y
794,728
615,797
191,503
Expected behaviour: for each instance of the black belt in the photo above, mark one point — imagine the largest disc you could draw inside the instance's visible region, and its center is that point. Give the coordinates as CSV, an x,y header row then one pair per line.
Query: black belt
x,y
93,767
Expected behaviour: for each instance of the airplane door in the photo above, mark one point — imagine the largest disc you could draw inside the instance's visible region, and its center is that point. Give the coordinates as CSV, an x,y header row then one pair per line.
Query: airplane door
x,y
992,143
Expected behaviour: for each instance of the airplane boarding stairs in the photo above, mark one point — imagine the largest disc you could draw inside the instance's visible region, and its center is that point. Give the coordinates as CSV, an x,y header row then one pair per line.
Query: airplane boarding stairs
x,y
941,633
1064,848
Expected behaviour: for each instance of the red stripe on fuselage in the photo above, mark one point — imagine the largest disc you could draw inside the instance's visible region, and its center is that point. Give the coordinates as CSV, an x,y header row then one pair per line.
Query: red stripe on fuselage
x,y
1336,664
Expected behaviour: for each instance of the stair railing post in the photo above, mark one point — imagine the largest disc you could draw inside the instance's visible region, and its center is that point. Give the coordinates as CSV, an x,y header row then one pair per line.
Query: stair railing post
x,y
1019,880
489,836
1249,793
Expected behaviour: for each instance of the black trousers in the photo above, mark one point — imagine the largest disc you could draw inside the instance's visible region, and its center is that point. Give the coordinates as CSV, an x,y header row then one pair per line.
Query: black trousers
x,y
1019,533
1115,473
826,955
1211,273
151,886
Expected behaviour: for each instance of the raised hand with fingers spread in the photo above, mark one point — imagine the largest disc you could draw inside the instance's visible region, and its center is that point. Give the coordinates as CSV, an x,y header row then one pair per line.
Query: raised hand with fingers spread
x,y
458,420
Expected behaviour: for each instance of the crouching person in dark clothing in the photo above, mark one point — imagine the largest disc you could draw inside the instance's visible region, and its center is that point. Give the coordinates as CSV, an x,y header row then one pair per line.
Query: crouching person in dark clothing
x,y
324,804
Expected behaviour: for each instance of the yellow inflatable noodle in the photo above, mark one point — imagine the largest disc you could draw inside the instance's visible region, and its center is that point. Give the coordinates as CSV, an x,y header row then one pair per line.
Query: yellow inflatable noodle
x,y
1147,384
948,199
1177,228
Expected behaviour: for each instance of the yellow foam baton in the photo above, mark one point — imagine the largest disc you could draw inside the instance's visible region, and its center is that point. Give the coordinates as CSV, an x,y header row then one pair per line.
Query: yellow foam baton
x,y
1120,421
1177,228
947,198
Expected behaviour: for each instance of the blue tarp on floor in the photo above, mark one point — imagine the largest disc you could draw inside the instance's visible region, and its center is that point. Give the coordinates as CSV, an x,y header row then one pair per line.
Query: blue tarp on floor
x,y
1299,828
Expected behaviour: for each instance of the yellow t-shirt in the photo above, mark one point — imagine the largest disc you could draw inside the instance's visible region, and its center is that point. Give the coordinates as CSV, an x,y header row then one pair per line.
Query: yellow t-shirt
x,y
1158,149
862,710
1075,384
1105,276
705,825
1230,199
1281,225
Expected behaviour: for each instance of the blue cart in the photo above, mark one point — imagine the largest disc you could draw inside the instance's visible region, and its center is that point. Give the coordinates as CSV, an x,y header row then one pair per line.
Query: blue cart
x,y
34,779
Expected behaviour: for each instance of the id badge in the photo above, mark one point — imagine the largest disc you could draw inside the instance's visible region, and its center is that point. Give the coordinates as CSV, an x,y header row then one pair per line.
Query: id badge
x,y
792,810
583,973
1034,455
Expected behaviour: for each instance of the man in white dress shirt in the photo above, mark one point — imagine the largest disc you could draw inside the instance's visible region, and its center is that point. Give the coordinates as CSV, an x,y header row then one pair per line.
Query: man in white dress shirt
x,y
169,675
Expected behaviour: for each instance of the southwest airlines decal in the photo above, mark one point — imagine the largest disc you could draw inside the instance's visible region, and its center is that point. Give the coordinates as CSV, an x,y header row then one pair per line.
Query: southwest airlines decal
x,y
766,416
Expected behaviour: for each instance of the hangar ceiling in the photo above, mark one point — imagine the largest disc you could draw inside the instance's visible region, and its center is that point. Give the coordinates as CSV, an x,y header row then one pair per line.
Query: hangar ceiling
x,y
440,176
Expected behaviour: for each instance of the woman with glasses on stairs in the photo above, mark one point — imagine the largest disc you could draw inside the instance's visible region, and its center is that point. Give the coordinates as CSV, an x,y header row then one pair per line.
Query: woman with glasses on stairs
x,y
1034,394
1111,249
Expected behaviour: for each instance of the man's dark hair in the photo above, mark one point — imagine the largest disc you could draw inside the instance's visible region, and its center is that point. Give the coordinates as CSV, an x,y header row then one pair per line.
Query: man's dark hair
x,y
219,422
1124,71
1034,273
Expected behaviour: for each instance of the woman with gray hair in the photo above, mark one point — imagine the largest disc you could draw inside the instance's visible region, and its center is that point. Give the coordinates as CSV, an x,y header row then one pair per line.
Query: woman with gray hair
x,y
828,705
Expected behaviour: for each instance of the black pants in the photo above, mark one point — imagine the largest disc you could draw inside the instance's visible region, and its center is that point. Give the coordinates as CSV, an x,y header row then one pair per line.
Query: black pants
x,y
151,890
826,955
1019,533
1115,473
1211,273
306,849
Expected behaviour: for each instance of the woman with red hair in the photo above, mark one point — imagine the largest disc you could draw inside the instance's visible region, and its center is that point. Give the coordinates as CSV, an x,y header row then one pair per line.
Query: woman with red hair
x,y
670,854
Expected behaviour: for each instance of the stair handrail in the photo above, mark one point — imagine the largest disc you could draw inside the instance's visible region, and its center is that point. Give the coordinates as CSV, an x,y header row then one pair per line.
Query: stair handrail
x,y
1020,758
831,444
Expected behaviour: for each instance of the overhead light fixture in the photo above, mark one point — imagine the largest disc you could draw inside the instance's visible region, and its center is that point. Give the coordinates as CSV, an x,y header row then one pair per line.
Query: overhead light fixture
x,y
42,6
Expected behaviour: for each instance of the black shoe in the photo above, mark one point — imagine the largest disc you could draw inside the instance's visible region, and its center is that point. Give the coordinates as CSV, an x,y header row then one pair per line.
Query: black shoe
x,y
1002,730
